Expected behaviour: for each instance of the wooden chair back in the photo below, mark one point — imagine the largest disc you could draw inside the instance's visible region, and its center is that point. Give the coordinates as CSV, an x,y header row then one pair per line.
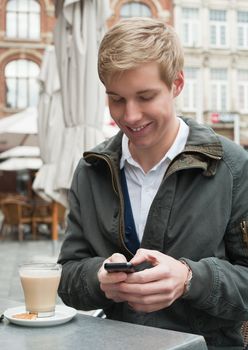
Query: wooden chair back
x,y
16,212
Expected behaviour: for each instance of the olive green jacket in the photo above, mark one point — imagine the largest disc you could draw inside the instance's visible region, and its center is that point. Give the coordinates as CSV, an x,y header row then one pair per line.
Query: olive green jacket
x,y
200,214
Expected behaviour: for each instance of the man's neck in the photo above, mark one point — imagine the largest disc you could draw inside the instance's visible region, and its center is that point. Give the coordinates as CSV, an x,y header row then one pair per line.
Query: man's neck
x,y
148,158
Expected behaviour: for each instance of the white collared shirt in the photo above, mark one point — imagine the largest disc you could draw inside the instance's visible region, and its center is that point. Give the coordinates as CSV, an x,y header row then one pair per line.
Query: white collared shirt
x,y
142,187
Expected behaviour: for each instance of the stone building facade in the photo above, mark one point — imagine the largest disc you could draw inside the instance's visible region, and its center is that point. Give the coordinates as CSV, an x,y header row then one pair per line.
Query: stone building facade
x,y
153,8
24,33
215,38
214,34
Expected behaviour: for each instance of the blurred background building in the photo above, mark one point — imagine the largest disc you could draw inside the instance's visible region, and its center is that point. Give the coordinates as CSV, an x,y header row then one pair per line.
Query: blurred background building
x,y
214,34
26,28
215,38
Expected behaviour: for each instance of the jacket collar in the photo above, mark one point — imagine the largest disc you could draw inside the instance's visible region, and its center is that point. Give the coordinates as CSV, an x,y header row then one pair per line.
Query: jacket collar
x,y
203,150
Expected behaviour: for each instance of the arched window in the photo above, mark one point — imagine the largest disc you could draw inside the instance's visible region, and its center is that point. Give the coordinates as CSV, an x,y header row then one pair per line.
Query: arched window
x,y
22,84
23,19
135,9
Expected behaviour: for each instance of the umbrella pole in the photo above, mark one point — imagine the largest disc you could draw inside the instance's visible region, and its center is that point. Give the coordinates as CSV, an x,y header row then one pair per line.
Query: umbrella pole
x,y
55,228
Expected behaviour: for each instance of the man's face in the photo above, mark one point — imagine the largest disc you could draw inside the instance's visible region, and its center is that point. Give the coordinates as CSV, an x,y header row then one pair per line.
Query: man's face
x,y
142,106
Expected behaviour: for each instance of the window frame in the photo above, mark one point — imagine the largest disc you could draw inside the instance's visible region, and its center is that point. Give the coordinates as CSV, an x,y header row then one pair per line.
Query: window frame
x,y
243,27
218,27
21,82
217,88
242,84
130,3
190,91
30,18
193,29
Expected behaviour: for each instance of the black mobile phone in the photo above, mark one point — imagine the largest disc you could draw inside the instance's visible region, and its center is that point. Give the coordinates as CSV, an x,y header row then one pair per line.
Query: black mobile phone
x,y
119,267
127,267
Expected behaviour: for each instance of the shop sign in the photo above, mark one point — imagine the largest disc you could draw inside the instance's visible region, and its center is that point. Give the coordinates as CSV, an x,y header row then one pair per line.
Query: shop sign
x,y
223,117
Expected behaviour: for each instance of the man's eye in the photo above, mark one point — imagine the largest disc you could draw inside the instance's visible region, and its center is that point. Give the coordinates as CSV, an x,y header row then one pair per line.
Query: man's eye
x,y
116,98
146,98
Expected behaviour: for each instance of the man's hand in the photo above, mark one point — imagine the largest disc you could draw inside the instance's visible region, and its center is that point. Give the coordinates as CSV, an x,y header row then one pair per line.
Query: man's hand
x,y
109,281
149,290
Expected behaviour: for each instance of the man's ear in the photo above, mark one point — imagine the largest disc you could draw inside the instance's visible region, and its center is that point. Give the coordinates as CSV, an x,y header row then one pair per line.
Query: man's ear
x,y
178,84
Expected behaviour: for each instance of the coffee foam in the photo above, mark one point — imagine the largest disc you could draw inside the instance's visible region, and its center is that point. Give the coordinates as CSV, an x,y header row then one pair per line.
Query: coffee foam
x,y
39,273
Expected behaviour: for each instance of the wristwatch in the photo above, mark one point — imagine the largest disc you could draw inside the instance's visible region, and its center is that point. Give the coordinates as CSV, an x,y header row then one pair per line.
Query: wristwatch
x,y
187,282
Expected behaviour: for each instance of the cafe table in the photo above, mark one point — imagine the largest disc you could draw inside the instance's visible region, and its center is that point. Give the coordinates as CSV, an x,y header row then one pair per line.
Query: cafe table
x,y
87,332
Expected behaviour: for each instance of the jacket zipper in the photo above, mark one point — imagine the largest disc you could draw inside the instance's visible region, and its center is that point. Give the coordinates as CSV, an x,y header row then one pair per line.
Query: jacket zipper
x,y
118,192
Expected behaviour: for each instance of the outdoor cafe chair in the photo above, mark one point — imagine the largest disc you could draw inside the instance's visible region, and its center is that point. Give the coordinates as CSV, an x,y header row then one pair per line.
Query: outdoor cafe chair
x,y
43,214
16,214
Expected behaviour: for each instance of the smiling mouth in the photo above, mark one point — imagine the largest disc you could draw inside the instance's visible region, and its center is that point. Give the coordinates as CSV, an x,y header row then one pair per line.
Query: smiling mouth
x,y
139,128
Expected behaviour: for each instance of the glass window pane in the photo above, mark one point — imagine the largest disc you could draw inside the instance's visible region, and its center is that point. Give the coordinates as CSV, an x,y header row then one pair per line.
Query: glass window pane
x,y
33,92
11,69
240,36
194,96
34,6
213,35
22,84
191,72
11,22
218,74
190,96
243,74
22,93
34,26
23,6
223,98
186,96
22,68
217,15
22,25
189,13
223,35
242,17
186,33
12,5
11,93
23,19
134,9
214,97
241,97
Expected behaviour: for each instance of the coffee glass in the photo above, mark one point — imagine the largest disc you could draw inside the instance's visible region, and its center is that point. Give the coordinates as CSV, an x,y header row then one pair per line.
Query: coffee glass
x,y
40,283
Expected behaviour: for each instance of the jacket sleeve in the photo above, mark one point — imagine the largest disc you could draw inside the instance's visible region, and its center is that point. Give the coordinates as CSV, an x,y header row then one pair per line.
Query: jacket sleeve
x,y
79,286
219,286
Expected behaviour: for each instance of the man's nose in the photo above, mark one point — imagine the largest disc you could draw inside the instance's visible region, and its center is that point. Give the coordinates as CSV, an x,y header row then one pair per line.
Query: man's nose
x,y
132,112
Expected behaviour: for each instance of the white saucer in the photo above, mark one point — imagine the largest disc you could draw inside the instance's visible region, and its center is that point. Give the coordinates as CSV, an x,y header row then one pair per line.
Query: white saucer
x,y
63,314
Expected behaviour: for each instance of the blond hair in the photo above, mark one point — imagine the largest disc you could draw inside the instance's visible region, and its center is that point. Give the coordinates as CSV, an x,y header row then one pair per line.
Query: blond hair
x,y
134,41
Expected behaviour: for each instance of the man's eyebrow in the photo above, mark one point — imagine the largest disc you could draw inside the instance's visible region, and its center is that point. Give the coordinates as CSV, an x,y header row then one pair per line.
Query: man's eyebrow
x,y
147,90
111,93
138,92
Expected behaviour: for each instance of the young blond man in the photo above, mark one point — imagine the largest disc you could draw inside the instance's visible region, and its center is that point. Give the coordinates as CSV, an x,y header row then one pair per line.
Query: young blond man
x,y
166,191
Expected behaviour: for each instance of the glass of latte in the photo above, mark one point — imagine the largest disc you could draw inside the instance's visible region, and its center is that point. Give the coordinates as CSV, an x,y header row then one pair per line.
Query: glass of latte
x,y
40,283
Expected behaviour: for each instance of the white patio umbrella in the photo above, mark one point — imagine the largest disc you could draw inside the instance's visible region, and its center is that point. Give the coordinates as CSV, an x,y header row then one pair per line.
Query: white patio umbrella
x,y
79,28
20,163
50,129
21,151
19,129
